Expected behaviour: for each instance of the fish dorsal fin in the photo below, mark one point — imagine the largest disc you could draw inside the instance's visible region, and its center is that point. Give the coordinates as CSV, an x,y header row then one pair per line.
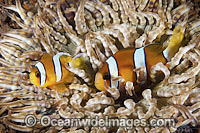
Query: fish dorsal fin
x,y
156,48
46,56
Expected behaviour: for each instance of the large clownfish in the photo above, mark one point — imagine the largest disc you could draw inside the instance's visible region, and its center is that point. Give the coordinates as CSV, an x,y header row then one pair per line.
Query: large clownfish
x,y
123,62
51,71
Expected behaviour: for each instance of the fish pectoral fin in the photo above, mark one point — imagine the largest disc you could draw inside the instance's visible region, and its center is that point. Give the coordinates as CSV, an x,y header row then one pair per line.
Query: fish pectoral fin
x,y
60,87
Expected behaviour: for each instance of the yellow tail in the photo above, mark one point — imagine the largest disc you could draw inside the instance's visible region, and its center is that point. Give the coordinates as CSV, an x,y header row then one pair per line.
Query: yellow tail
x,y
175,42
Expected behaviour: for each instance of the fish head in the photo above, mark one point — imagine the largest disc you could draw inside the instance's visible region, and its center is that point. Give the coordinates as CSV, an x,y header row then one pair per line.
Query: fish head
x,y
35,77
101,76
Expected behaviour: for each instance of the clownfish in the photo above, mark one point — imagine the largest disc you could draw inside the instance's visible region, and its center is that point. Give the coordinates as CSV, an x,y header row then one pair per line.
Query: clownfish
x,y
124,62
51,72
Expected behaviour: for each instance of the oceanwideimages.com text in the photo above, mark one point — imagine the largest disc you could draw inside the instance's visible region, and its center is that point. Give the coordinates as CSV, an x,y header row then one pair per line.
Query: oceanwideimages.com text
x,y
45,121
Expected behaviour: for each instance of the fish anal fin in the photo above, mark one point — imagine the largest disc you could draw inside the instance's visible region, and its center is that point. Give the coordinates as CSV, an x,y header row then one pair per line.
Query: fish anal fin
x,y
61,87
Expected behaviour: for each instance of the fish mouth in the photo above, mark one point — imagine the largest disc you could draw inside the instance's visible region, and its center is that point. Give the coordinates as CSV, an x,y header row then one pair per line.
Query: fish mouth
x,y
26,72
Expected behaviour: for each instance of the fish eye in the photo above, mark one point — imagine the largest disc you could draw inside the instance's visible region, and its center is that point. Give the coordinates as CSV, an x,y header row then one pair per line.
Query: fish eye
x,y
106,76
37,74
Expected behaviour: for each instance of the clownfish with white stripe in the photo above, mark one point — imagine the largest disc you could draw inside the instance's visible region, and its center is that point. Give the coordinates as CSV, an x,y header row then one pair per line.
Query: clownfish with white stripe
x,y
124,62
51,71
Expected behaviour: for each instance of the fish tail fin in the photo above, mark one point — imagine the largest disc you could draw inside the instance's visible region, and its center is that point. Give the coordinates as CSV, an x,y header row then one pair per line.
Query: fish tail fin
x,y
78,63
65,59
175,42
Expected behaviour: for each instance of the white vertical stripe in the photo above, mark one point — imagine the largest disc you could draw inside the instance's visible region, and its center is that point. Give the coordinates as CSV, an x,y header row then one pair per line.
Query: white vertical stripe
x,y
42,71
165,53
70,64
57,65
113,69
139,58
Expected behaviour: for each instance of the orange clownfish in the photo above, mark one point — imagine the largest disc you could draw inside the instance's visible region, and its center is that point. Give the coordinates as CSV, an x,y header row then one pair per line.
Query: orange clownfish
x,y
125,61
51,71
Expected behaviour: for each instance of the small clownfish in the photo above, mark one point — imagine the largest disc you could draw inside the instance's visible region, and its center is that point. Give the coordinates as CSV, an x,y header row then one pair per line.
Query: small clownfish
x,y
124,62
51,71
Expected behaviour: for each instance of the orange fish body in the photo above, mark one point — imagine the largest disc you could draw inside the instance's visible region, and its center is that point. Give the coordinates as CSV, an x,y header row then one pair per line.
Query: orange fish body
x,y
124,62
51,71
